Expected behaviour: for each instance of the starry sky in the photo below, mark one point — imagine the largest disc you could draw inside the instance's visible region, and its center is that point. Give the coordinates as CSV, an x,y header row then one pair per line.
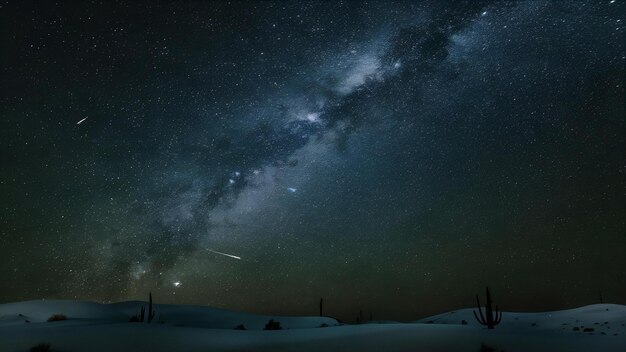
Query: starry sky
x,y
391,157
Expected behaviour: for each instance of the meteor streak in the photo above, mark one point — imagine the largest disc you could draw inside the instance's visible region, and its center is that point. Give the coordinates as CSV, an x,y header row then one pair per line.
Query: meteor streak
x,y
224,254
81,121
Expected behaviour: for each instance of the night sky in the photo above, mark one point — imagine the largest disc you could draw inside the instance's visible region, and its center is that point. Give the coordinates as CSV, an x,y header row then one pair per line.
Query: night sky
x,y
390,157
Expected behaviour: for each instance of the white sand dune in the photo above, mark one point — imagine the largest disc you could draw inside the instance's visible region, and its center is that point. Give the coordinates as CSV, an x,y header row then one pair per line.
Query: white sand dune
x,y
105,327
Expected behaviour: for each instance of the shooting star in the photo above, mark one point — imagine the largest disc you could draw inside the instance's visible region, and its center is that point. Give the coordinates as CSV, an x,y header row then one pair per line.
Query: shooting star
x,y
81,121
224,254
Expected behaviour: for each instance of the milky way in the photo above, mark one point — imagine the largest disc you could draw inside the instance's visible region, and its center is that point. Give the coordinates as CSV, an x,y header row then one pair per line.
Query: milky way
x,y
394,157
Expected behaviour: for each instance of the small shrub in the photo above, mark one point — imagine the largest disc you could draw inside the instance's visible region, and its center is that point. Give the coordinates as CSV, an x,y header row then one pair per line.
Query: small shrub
x,y
588,330
463,322
485,348
42,347
57,317
240,327
133,319
576,328
272,325
324,325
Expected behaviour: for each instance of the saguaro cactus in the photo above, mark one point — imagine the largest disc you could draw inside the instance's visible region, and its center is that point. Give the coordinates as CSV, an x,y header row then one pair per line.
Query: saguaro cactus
x,y
491,319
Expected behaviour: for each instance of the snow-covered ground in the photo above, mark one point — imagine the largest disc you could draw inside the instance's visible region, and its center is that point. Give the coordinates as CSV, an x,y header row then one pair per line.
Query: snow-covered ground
x,y
105,327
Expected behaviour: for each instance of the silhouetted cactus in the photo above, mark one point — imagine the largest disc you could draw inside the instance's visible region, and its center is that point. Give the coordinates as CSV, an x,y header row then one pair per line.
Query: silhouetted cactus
x,y
601,298
151,312
142,313
491,319
321,306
